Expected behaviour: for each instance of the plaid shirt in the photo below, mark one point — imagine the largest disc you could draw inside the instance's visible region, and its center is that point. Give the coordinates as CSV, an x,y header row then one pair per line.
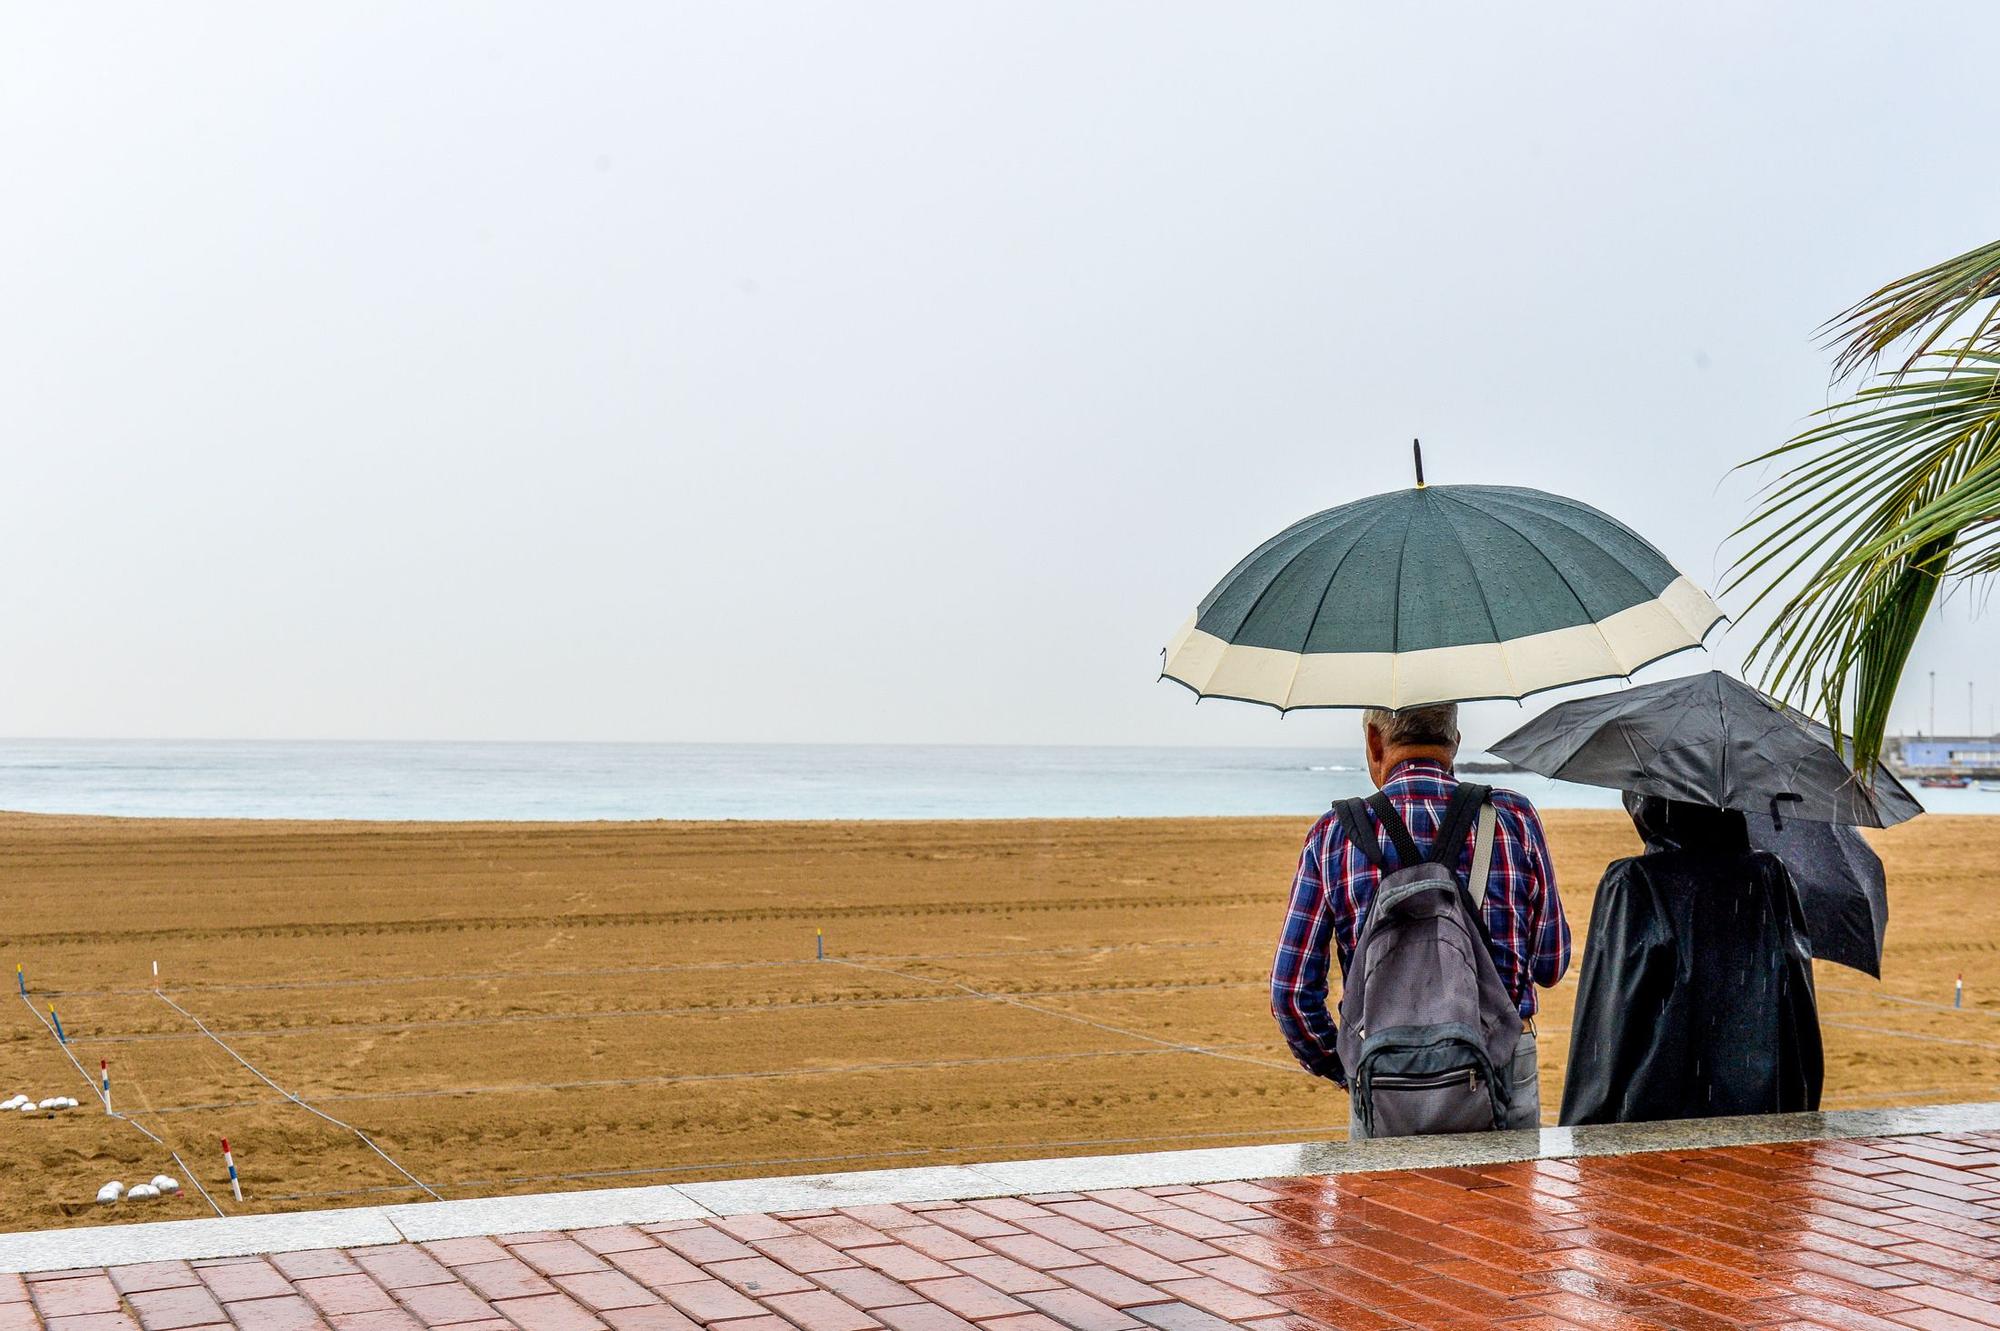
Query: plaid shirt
x,y
1335,883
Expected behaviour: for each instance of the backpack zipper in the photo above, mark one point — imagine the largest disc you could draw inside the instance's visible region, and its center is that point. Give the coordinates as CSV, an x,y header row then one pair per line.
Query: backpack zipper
x,y
1430,1082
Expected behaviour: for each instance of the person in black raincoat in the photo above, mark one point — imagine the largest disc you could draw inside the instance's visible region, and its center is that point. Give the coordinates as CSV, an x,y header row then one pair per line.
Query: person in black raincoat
x,y
1696,997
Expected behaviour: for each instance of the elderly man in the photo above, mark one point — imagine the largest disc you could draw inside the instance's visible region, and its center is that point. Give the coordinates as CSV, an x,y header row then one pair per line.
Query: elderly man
x,y
1410,757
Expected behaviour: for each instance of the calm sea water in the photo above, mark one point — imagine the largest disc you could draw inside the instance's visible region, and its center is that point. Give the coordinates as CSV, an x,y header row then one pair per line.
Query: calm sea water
x,y
449,781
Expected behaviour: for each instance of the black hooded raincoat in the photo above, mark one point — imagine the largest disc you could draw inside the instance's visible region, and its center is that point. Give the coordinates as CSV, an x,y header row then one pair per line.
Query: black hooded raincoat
x,y
1696,997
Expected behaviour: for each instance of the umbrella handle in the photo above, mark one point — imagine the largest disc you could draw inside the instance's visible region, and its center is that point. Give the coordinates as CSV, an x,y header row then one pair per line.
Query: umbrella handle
x,y
1777,815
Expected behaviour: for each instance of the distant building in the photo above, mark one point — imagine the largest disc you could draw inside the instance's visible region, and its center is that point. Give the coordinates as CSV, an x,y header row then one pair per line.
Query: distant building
x,y
1969,755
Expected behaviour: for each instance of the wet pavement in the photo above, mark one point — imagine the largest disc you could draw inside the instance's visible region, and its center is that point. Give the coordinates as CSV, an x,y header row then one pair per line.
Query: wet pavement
x,y
1894,1232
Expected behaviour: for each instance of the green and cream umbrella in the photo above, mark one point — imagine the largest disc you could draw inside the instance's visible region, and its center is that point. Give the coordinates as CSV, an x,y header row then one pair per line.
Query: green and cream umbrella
x,y
1442,593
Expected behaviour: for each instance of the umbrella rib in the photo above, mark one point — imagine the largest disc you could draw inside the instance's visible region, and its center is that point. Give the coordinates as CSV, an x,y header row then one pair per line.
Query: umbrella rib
x,y
1396,622
1573,506
1561,576
1500,645
1294,558
1589,617
1722,777
1324,592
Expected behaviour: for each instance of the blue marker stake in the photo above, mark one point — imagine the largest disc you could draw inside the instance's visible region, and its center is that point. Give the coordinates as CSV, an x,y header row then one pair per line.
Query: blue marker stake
x,y
104,1066
1958,991
20,979
60,1037
819,944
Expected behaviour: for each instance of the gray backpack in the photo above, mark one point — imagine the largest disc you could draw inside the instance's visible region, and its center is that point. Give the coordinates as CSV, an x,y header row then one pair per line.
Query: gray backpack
x,y
1427,1029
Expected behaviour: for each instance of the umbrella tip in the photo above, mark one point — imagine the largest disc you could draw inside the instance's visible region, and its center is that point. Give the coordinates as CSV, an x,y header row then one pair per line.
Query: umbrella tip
x,y
1417,451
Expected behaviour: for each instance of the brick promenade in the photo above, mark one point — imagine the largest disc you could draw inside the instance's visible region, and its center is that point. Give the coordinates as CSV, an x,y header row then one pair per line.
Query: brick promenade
x,y
1888,1233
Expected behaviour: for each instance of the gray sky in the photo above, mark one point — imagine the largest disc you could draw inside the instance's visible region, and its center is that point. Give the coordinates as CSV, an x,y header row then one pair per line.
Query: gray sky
x,y
884,371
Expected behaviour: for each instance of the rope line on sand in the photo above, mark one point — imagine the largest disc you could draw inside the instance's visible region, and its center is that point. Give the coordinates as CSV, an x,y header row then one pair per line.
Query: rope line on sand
x,y
1913,1035
220,986
1179,1045
364,1138
1906,1096
1911,1002
144,1131
619,1014
691,1078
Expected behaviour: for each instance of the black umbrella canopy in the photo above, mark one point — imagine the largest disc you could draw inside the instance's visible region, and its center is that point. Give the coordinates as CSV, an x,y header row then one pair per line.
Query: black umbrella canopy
x,y
1708,739
1842,887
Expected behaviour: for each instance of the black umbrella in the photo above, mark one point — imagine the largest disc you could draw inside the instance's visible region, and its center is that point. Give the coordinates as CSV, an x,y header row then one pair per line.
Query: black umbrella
x,y
1841,886
1708,739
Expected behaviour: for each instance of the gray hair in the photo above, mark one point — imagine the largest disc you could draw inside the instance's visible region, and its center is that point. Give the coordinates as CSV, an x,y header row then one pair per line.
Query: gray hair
x,y
1435,724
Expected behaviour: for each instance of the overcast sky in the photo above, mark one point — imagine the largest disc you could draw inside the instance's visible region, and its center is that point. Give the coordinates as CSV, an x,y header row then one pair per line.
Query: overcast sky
x,y
878,371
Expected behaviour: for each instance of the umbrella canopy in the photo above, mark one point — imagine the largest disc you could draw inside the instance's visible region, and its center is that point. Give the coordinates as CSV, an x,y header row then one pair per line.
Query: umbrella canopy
x,y
1707,739
1443,593
1841,885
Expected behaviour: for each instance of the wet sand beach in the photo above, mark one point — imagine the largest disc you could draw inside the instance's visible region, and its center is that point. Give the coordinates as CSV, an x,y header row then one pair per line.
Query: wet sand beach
x,y
523,1007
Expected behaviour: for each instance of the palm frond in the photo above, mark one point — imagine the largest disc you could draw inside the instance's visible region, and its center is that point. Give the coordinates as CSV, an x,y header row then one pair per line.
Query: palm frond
x,y
1924,305
1888,496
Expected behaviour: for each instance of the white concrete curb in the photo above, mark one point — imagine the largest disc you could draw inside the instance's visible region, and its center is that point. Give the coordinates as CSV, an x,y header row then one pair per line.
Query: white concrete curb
x,y
235,1236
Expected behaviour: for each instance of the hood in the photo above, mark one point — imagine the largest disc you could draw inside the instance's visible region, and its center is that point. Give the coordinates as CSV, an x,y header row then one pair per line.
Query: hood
x,y
1678,825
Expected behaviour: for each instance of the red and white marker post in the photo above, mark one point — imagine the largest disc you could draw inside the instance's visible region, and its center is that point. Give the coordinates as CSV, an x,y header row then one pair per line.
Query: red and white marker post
x,y
104,1072
235,1185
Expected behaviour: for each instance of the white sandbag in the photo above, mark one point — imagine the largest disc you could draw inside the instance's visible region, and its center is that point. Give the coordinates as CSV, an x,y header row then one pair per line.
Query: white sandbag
x,y
110,1192
53,1102
29,1107
167,1184
142,1192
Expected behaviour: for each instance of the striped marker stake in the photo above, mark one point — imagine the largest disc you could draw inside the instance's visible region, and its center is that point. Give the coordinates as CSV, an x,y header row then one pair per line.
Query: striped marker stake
x,y
235,1186
819,945
104,1070
21,979
57,1021
1958,991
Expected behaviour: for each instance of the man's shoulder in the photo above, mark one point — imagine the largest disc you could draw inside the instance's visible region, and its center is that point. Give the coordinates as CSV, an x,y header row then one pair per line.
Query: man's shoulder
x,y
1513,805
1327,824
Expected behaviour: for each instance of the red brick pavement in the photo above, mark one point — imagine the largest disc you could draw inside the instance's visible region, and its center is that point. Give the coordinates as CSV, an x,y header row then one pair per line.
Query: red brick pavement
x,y
1891,1234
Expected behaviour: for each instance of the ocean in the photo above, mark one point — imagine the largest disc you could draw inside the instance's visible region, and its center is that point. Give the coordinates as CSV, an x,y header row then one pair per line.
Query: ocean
x,y
572,782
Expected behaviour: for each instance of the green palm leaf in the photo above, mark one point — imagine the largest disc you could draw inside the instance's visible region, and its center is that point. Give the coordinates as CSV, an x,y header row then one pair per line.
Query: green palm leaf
x,y
1922,307
1889,496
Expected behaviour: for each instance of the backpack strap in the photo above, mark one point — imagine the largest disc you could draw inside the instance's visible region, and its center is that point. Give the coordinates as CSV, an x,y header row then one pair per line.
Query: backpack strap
x,y
1482,856
1456,822
1407,854
1354,818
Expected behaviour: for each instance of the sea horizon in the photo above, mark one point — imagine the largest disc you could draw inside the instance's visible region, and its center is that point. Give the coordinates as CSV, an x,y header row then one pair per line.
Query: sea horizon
x,y
635,781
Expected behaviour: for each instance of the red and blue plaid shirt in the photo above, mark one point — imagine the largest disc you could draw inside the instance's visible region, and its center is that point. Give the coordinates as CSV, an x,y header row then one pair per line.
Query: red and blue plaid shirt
x,y
1335,883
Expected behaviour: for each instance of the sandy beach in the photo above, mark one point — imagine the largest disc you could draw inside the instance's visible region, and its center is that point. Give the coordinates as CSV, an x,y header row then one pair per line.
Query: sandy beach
x,y
518,1007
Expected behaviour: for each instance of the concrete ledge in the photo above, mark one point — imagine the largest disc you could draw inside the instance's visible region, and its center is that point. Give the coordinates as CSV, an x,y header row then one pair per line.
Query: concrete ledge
x,y
422,1222
871,1187
182,1240
236,1236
